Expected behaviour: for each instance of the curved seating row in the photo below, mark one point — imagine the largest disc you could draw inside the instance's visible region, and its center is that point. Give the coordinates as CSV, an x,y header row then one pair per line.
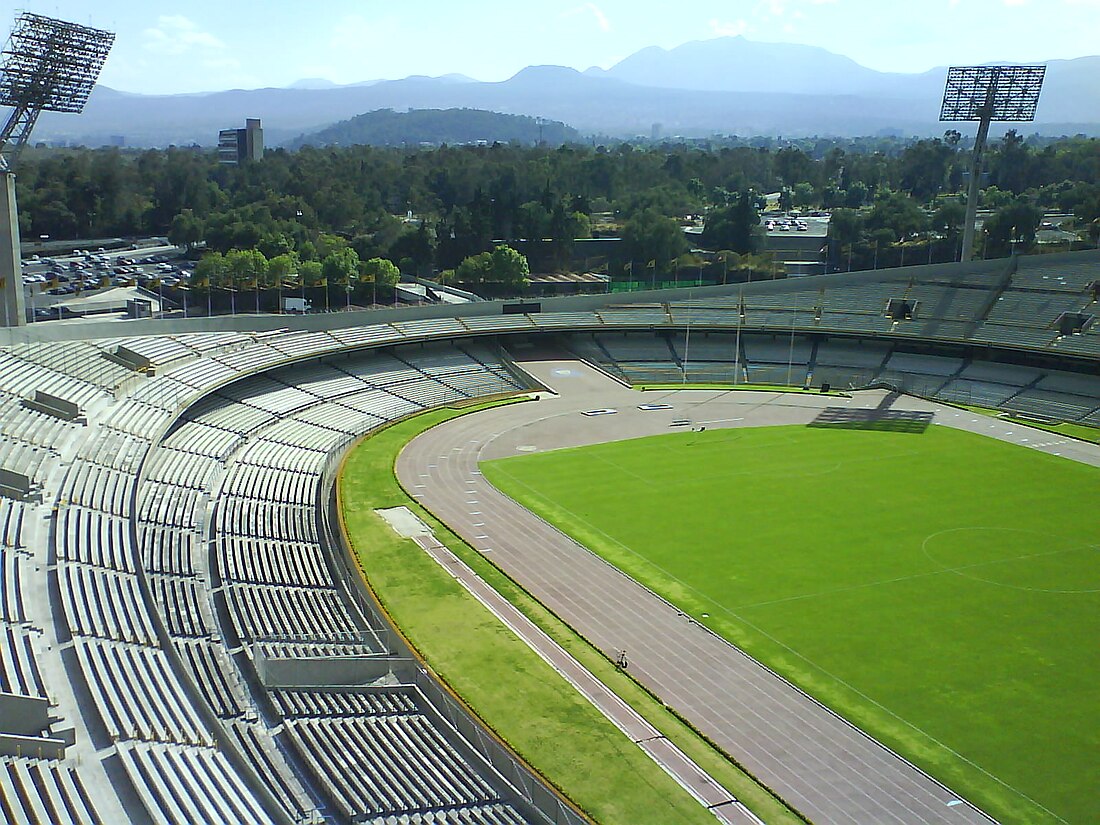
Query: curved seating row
x,y
137,563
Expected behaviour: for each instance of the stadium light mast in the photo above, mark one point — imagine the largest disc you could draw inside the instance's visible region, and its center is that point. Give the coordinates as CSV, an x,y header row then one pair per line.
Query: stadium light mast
x,y
48,66
985,94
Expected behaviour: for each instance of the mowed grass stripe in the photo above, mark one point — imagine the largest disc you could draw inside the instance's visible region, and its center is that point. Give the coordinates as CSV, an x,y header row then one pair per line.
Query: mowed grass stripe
x,y
939,590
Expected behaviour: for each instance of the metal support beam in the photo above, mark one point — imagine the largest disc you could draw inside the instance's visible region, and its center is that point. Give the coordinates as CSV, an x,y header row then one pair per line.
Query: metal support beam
x,y
13,312
986,114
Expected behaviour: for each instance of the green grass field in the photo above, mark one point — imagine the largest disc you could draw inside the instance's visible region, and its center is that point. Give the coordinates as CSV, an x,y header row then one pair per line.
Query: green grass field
x,y
940,589
518,695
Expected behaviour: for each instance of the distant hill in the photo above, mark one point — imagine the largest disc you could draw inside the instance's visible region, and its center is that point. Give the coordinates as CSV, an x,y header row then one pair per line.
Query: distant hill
x,y
723,86
734,64
385,127
1071,92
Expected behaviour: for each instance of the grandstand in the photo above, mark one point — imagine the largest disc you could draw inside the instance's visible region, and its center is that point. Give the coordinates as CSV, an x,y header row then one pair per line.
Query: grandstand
x,y
181,632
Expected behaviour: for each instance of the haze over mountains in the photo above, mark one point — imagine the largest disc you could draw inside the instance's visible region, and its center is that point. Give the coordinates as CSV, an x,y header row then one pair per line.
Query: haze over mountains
x,y
727,85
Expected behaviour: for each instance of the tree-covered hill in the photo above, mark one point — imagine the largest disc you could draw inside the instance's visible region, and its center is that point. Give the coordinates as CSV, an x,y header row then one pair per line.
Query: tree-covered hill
x,y
435,127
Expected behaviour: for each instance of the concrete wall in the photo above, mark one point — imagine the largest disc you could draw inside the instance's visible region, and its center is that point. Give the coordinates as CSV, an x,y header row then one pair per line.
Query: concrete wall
x,y
54,331
12,302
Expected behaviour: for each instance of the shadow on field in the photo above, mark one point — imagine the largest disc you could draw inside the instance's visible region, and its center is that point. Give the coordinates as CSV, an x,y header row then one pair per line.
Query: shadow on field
x,y
894,421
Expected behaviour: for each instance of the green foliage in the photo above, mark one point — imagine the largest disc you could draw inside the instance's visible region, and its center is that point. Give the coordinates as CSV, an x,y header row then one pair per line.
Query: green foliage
x,y
340,266
948,217
311,273
379,271
186,229
845,226
924,168
211,269
1015,223
650,236
314,201
246,268
503,265
282,267
735,227
897,213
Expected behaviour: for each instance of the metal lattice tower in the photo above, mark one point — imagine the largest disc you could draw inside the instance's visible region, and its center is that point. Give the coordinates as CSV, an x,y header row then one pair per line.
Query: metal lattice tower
x,y
49,66
985,94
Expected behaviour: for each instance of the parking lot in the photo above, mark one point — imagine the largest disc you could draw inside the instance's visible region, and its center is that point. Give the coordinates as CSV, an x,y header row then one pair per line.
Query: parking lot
x,y
49,281
814,226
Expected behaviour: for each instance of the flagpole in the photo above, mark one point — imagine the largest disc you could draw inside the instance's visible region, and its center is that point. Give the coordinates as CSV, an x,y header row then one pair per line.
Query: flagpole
x,y
687,342
737,343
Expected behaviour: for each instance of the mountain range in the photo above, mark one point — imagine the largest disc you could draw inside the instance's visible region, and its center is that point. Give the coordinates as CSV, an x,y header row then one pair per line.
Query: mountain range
x,y
727,85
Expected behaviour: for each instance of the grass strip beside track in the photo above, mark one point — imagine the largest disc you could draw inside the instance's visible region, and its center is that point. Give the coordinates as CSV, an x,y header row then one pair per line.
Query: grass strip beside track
x,y
518,695
938,590
1082,432
712,385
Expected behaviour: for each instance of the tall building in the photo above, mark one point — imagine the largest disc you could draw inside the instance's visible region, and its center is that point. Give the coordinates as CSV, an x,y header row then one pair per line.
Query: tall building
x,y
236,146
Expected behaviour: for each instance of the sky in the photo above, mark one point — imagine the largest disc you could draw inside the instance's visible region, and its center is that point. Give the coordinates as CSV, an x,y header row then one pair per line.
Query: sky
x,y
212,45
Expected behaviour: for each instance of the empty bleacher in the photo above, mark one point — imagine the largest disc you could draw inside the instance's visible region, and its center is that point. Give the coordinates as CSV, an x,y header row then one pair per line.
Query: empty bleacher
x,y
184,523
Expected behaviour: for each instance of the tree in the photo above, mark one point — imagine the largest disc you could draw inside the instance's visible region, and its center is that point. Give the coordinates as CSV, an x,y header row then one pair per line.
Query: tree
x,y
1011,163
474,269
1011,225
379,271
282,267
993,198
503,265
186,229
650,236
509,266
948,218
735,227
845,226
418,246
899,214
311,273
211,270
246,268
341,266
803,195
923,168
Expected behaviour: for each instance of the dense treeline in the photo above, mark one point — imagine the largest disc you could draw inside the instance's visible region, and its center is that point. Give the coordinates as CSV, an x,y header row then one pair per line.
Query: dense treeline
x,y
885,191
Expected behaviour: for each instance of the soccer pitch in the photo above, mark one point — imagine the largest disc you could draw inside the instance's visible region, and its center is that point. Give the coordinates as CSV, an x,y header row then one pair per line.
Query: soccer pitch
x,y
941,590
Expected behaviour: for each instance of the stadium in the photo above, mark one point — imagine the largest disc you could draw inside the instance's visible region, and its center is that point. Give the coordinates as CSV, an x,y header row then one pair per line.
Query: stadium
x,y
187,635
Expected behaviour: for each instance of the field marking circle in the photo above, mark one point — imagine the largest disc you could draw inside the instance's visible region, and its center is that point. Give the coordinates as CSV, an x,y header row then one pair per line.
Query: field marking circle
x,y
965,571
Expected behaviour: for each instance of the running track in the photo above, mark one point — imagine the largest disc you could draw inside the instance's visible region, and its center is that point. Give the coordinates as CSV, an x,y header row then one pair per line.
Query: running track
x,y
820,764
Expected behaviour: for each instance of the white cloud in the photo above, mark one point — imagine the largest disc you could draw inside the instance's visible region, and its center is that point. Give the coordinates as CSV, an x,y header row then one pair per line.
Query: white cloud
x,y
724,28
594,10
175,34
1015,2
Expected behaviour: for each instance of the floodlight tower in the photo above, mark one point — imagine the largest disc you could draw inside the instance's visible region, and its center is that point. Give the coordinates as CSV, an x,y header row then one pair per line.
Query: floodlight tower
x,y
49,66
985,94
